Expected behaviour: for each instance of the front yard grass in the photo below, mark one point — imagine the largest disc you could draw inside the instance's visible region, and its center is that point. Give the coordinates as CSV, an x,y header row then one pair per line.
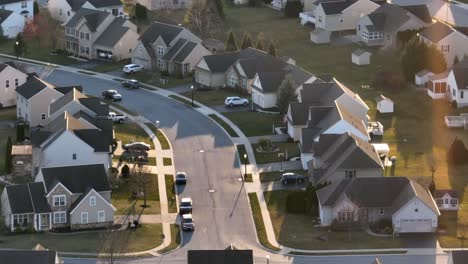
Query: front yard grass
x,y
175,239
211,97
123,200
255,123
269,157
154,78
297,230
167,161
171,194
258,221
276,175
131,132
222,123
144,238
8,114
110,66
159,135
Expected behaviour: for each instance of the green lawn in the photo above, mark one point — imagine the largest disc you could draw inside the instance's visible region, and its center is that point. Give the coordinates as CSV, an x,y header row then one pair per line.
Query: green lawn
x,y
297,230
162,139
211,97
258,221
241,151
170,191
276,175
255,123
175,239
130,132
154,78
123,200
36,51
146,237
226,127
167,161
8,114
291,148
109,66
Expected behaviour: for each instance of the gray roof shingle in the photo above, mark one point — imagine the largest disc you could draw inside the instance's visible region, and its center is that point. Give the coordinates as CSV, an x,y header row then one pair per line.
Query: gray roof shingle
x,y
460,72
113,33
27,198
420,11
158,29
27,256
105,3
336,7
31,87
93,18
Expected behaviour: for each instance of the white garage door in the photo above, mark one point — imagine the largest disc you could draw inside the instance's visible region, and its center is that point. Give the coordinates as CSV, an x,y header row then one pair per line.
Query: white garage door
x,y
143,62
415,225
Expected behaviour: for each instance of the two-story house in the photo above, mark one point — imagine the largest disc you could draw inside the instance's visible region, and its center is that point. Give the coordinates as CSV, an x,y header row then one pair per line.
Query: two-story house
x,y
10,79
98,34
164,4
34,97
169,48
409,206
11,23
22,7
70,141
457,84
450,41
380,28
63,10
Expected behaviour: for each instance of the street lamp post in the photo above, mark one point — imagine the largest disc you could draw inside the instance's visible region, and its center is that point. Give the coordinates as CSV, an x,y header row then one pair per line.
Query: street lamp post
x,y
268,259
191,87
157,124
280,156
17,50
245,166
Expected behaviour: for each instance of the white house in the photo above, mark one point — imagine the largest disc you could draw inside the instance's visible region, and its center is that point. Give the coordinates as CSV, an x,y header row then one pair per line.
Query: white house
x,y
63,10
407,204
457,84
21,7
10,79
12,23
447,200
360,57
384,104
421,77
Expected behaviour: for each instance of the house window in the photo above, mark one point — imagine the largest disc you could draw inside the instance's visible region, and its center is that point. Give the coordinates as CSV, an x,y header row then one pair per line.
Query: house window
x,y
59,200
160,64
320,19
84,217
129,50
350,174
186,67
60,218
74,156
20,220
101,216
7,83
176,2
345,216
445,48
461,94
87,36
341,19
453,202
381,211
160,50
115,11
24,4
454,93
68,13
60,12
440,201
359,27
232,81
43,116
16,82
446,201
92,201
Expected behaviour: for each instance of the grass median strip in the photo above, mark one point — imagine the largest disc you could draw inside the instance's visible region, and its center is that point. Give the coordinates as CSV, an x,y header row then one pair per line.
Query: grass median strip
x,y
124,109
167,161
226,127
170,191
161,137
241,151
259,225
87,73
175,239
184,101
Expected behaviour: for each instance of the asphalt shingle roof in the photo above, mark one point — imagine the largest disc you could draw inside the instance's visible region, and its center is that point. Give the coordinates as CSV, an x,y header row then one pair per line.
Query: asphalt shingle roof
x,y
113,33
157,29
76,4
93,18
105,3
441,193
436,32
4,14
31,87
27,256
77,179
460,72
336,7
420,11
27,198
185,51
222,61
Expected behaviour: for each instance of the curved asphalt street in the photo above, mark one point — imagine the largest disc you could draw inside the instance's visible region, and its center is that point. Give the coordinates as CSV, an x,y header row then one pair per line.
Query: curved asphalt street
x,y
205,152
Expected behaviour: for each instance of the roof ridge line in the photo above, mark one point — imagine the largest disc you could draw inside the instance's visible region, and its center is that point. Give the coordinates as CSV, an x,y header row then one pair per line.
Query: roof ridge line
x,y
30,197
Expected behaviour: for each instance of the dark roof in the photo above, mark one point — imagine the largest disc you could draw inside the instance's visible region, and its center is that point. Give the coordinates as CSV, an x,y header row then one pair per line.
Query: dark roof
x,y
436,32
76,4
441,193
65,100
174,49
180,50
336,7
220,62
420,11
460,72
261,64
31,87
99,140
157,29
270,81
4,14
27,256
4,2
299,113
113,33
77,179
105,3
459,256
93,18
220,256
96,105
326,77
27,198
67,89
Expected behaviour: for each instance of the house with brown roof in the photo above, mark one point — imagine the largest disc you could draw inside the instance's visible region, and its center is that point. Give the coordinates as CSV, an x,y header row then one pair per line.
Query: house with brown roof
x,y
408,205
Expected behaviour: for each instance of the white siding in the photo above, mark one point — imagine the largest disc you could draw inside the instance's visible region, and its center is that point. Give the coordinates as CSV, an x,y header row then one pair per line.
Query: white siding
x,y
17,8
342,127
60,10
8,95
13,25
414,210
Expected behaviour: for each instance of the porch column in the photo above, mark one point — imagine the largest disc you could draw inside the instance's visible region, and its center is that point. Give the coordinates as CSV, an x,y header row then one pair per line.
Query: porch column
x,y
39,224
12,223
35,222
50,220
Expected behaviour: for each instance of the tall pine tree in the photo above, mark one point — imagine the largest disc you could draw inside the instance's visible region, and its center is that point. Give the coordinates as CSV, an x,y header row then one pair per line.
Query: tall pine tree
x,y
272,49
246,41
260,40
285,94
231,43
8,158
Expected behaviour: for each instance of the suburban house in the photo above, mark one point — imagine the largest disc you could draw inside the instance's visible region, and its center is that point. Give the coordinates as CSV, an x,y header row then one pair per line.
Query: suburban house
x,y
380,28
335,157
63,10
34,97
447,200
450,41
11,23
42,256
98,34
457,84
407,204
170,4
72,140
10,79
340,15
169,48
21,7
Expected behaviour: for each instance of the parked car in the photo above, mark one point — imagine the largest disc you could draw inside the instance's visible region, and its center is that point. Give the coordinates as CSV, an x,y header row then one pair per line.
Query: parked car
x,y
187,222
132,68
112,95
117,118
289,177
181,178
137,146
185,206
133,84
235,101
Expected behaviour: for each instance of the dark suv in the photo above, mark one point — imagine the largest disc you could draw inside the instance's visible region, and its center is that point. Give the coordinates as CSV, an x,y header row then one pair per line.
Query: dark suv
x,y
132,84
289,177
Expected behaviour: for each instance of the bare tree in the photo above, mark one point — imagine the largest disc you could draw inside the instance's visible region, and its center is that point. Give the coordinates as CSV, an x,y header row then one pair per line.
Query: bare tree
x,y
141,178
113,244
203,17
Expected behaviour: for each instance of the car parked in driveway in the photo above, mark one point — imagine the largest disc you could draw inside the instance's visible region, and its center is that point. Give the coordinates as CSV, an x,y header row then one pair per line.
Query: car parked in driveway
x,y
133,84
290,178
235,101
132,68
185,206
112,95
181,178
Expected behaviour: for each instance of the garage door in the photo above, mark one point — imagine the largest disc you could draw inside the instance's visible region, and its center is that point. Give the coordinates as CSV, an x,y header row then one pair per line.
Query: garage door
x,y
415,225
143,62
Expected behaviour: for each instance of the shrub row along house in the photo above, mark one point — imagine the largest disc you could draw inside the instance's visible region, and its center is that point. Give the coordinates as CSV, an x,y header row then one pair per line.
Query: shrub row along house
x,y
72,143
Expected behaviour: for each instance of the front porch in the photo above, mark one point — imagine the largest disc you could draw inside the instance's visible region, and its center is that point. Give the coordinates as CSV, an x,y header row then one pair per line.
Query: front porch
x,y
178,69
40,222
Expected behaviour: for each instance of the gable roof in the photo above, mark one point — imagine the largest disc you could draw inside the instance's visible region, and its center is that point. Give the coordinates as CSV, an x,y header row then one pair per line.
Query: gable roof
x,y
73,95
105,3
420,11
93,18
180,50
77,179
381,98
359,52
436,32
460,72
336,7
67,89
220,62
27,198
113,33
158,29
82,197
441,193
75,4
28,256
390,17
32,86
220,256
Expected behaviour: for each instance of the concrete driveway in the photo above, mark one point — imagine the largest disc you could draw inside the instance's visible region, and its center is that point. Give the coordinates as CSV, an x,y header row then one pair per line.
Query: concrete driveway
x,y
419,240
